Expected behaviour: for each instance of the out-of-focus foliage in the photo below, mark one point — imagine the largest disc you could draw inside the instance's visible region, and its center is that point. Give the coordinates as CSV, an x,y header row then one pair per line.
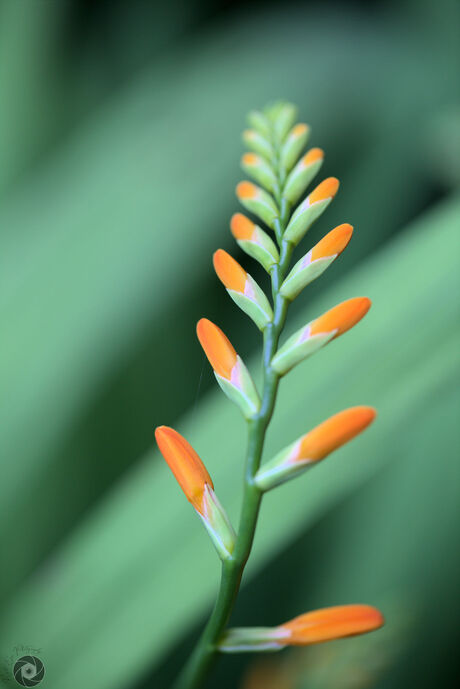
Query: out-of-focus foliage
x,y
119,153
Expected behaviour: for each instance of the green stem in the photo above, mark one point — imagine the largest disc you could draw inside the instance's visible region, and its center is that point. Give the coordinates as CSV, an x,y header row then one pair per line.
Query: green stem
x,y
206,649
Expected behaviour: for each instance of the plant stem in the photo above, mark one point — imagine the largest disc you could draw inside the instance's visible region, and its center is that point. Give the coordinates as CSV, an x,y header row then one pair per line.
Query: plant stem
x,y
204,654
206,649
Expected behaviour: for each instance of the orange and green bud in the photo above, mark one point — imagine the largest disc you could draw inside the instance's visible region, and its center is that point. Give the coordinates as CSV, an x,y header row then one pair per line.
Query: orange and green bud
x,y
294,145
229,369
254,241
197,485
303,173
327,624
313,264
319,332
282,115
310,209
243,289
187,467
314,446
259,169
257,201
256,142
258,121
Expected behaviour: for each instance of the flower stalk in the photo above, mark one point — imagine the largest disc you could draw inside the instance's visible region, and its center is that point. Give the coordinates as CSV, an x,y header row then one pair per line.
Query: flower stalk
x,y
275,144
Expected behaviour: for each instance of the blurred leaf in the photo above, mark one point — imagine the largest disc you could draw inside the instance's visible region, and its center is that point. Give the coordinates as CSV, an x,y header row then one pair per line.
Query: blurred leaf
x,y
117,588
143,189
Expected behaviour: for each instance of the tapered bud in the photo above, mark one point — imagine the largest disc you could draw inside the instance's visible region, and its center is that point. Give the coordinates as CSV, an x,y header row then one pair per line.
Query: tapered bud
x,y
328,624
294,145
284,119
256,142
258,202
314,627
230,371
243,289
258,121
310,209
303,173
314,446
319,332
259,169
313,264
254,241
197,485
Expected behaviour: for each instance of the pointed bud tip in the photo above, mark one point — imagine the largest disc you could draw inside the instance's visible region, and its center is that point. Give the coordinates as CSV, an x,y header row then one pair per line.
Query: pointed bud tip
x,y
300,129
341,317
333,243
241,226
250,159
334,432
312,156
217,347
229,271
328,624
246,190
327,189
184,463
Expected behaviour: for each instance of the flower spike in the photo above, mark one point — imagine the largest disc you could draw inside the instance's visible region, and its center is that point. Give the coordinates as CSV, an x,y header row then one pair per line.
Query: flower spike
x,y
313,264
314,627
254,241
319,332
314,446
280,197
257,201
229,369
193,478
243,289
303,173
310,209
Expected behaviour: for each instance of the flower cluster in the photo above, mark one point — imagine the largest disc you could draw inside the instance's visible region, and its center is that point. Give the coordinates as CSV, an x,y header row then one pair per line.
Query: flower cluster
x,y
281,171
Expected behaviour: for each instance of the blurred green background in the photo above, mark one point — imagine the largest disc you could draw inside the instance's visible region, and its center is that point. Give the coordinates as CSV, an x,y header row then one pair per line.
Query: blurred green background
x,y
119,153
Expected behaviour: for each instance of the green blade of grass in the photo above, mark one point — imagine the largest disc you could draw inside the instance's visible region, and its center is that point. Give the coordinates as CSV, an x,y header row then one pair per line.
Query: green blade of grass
x,y
117,587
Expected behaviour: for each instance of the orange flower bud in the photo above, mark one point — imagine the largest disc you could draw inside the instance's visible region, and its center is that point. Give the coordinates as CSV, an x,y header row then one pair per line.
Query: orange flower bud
x,y
255,199
319,332
185,464
314,446
312,156
342,317
327,189
333,433
243,289
330,623
229,271
242,227
333,243
217,347
302,174
310,208
229,369
254,241
314,627
318,259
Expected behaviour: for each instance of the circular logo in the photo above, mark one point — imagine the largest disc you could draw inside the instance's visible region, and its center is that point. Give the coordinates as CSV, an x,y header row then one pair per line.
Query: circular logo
x,y
28,671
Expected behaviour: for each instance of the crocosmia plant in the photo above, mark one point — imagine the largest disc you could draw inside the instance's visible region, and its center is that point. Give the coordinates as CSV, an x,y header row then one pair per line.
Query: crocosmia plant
x,y
282,210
